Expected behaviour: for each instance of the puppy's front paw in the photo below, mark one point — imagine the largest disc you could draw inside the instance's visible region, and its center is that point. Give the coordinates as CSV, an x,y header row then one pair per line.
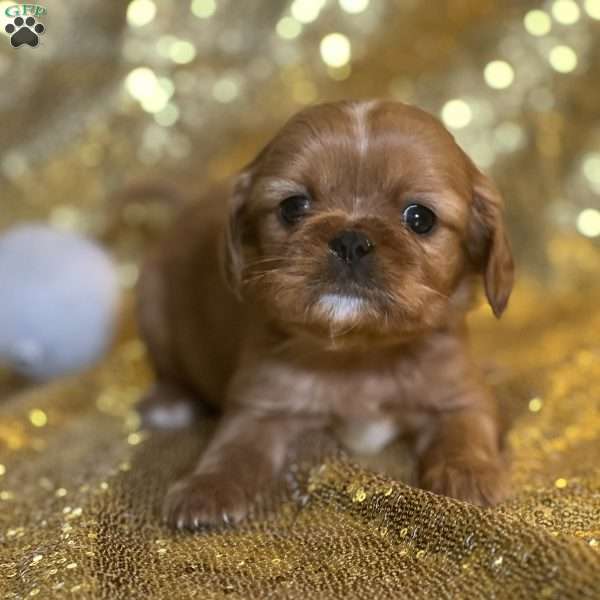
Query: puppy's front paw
x,y
205,499
478,481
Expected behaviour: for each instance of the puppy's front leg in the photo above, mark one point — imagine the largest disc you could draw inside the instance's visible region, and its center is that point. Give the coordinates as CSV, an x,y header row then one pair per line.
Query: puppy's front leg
x,y
246,453
460,455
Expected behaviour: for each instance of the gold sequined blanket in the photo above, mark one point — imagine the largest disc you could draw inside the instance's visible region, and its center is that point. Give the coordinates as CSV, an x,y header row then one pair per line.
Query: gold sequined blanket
x,y
81,488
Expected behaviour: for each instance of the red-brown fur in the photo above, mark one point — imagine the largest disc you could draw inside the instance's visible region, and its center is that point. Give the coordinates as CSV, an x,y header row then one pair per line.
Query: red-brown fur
x,y
230,311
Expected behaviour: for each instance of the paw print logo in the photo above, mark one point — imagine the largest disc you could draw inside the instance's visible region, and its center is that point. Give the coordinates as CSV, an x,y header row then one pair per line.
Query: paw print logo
x,y
24,31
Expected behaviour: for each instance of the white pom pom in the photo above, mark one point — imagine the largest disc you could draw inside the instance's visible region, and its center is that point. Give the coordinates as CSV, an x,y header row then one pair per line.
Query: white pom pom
x,y
59,297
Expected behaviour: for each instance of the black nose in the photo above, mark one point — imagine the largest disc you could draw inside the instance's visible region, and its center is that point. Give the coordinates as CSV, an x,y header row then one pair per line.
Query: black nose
x,y
350,246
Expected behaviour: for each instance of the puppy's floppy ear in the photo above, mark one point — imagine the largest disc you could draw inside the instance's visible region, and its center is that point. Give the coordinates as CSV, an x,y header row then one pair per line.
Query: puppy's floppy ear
x,y
488,243
233,260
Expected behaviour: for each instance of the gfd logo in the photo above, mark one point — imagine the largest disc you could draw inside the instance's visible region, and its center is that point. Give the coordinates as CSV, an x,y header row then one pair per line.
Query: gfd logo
x,y
25,28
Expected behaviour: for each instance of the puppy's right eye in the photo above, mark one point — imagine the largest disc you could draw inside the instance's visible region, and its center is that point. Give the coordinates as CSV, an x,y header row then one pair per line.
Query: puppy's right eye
x,y
292,209
419,218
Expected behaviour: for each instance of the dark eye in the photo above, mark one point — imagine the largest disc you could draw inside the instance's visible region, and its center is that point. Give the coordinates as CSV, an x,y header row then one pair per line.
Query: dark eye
x,y
292,209
419,218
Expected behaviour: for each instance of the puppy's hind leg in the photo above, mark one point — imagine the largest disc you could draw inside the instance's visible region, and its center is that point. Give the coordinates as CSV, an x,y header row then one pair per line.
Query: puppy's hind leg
x,y
167,405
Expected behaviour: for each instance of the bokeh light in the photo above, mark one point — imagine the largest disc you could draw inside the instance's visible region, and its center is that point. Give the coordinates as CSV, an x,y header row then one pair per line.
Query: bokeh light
x,y
339,73
182,52
563,59
168,116
566,12
306,11
225,90
163,45
335,50
354,6
535,404
591,170
288,28
141,82
508,137
588,222
203,9
38,417
456,113
143,85
537,22
498,74
592,8
140,12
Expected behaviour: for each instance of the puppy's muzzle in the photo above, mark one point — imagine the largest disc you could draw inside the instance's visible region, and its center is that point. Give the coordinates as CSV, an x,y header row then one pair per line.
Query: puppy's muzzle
x,y
351,246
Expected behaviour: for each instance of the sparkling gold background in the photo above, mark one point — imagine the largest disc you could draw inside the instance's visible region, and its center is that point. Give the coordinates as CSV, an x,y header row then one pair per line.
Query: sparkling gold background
x,y
171,91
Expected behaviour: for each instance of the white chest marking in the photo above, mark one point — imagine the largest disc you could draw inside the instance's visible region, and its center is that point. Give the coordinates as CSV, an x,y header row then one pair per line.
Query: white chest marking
x,y
367,437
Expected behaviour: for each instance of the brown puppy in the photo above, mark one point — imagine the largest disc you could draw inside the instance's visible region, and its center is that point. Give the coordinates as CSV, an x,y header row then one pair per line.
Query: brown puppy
x,y
332,291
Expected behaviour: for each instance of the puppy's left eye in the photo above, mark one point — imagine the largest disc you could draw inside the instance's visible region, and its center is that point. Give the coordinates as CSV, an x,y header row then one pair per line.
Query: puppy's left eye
x,y
419,218
292,209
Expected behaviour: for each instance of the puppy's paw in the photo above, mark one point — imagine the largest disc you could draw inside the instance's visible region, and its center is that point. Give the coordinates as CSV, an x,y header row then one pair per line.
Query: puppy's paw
x,y
205,499
479,481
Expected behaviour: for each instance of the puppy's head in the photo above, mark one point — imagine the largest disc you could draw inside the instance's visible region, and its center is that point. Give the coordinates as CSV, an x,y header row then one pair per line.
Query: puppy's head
x,y
366,217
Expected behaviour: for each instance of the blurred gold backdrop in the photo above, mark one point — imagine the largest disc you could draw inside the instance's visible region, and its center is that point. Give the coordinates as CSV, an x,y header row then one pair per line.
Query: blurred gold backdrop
x,y
185,93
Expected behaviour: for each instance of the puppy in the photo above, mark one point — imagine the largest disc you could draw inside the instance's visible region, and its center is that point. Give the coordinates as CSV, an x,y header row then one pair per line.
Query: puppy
x,y
331,290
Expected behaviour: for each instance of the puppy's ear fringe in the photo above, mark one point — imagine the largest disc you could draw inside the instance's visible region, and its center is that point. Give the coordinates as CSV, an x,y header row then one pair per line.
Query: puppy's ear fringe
x,y
233,255
233,259
488,244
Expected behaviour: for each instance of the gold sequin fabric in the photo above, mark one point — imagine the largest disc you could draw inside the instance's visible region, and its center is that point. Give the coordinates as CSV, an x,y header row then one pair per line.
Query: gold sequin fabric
x,y
82,485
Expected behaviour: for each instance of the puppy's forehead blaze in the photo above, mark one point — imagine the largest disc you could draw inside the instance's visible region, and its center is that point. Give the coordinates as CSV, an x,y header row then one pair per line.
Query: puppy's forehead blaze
x,y
367,149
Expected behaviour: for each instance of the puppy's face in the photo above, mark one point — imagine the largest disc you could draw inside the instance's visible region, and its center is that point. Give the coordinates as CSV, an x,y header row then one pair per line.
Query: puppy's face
x,y
365,219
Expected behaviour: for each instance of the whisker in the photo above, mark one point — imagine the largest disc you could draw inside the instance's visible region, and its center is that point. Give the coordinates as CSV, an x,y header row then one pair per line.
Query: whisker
x,y
333,334
267,260
432,291
254,278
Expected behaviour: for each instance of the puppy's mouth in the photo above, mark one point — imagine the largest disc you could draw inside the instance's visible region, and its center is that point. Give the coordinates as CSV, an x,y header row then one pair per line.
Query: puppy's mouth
x,y
348,294
349,304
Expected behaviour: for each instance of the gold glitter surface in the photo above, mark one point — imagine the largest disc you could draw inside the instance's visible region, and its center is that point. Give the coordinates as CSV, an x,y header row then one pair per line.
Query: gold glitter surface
x,y
81,516
188,92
